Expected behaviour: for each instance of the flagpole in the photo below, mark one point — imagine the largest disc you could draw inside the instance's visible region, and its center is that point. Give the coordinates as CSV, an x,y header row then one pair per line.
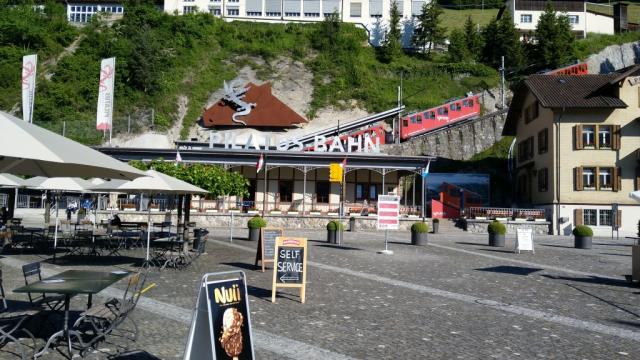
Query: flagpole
x,y
264,193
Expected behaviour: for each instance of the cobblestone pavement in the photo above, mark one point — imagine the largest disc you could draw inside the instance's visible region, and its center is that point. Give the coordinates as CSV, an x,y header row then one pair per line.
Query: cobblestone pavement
x,y
455,298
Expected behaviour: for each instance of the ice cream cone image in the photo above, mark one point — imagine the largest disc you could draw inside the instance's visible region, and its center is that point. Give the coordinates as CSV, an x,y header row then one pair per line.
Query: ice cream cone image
x,y
231,338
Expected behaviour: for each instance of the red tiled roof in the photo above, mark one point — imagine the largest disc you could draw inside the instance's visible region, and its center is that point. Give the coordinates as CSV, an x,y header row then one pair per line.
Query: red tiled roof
x,y
269,111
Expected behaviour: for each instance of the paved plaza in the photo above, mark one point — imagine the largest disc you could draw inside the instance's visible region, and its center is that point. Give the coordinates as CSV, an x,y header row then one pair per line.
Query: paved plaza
x,y
455,298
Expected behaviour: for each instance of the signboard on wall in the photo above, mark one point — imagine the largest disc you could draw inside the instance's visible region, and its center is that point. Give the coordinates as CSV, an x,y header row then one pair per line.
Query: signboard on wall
x,y
388,212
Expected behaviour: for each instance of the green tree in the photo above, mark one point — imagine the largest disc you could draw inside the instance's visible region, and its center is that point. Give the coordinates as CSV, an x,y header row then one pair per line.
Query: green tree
x,y
554,39
429,32
391,47
457,50
501,38
472,39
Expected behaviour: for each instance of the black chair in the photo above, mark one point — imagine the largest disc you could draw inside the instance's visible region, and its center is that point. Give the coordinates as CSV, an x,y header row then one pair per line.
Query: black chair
x,y
32,271
12,319
101,321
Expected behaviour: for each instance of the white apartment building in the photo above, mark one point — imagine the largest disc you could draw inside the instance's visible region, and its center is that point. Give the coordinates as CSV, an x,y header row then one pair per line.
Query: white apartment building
x,y
526,14
373,15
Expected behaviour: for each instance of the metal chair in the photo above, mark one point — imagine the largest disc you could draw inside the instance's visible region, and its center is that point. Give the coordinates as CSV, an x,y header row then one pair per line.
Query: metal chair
x,y
11,320
32,271
103,320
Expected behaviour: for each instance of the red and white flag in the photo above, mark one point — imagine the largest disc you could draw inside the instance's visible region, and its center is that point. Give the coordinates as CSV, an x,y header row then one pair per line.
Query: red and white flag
x,y
343,164
260,163
29,66
178,157
105,94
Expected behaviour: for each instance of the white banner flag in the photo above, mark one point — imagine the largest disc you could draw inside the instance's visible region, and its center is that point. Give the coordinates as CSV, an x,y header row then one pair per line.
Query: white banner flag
x,y
29,66
105,94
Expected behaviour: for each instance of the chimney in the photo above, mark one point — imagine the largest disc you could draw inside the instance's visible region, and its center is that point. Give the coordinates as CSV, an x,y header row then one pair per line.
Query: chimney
x,y
620,21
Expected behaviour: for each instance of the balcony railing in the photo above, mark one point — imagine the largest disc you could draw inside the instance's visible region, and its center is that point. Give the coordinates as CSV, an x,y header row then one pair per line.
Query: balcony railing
x,y
508,213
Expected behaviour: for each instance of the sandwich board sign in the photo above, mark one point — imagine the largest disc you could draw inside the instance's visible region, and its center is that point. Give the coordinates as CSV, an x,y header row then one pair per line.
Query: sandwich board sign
x,y
524,240
290,270
388,212
221,323
267,245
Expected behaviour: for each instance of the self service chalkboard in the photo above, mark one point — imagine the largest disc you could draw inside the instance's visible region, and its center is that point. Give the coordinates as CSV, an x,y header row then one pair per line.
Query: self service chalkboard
x,y
290,270
267,245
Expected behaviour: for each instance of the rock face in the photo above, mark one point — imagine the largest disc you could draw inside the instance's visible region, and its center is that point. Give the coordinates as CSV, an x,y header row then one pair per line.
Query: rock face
x,y
614,57
456,143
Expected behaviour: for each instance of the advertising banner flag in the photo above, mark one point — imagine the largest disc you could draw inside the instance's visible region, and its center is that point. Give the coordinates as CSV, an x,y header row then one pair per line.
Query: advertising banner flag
x,y
105,94
29,66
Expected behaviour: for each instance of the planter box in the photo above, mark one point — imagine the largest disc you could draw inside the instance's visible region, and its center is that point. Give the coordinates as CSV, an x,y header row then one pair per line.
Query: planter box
x,y
292,212
582,242
496,240
540,220
315,213
481,218
502,219
129,209
253,212
413,216
234,211
155,210
275,212
332,214
418,239
211,210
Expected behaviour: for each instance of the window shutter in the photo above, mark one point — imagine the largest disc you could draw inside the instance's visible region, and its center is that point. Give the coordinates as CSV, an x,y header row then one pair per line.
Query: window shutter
x,y
578,180
578,137
619,219
617,180
578,217
637,178
596,178
596,135
615,137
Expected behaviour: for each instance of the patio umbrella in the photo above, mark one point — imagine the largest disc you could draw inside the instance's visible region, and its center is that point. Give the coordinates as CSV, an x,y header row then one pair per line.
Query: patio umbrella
x,y
27,149
12,181
58,184
154,183
635,195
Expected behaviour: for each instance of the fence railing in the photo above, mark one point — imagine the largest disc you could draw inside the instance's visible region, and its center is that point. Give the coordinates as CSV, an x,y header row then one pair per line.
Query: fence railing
x,y
509,213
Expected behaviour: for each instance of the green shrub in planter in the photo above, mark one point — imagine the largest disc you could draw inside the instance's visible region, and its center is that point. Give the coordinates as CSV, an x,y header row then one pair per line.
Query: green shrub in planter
x,y
582,230
334,225
496,227
420,227
436,220
256,222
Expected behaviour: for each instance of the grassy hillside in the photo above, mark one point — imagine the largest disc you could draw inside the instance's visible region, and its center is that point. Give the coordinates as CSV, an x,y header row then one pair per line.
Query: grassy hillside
x,y
454,19
161,57
633,10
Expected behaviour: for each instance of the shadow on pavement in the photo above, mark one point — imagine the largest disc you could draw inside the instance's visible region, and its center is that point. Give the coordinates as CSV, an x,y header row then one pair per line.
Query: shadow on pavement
x,y
593,280
514,270
627,322
83,260
339,247
242,265
498,250
259,292
134,355
615,254
469,243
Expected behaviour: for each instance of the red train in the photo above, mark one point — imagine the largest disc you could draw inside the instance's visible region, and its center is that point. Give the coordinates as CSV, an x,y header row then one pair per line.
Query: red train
x,y
577,69
421,122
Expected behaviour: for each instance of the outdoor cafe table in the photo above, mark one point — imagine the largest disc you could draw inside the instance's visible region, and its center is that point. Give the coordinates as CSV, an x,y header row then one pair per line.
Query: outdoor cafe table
x,y
69,283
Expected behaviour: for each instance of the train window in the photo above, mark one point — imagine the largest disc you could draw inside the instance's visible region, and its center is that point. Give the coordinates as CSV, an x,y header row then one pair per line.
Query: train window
x,y
452,107
419,119
432,114
443,111
470,102
413,119
405,122
458,106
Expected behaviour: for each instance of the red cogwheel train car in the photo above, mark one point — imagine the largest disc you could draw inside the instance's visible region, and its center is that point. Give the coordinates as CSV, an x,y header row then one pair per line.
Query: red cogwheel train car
x,y
430,119
577,69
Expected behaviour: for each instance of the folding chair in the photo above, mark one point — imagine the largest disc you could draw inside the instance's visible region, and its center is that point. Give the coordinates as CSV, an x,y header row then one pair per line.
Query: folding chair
x,y
103,320
11,320
32,271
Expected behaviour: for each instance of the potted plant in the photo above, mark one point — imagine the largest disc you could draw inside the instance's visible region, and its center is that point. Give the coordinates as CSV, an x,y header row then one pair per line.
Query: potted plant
x,y
255,224
497,230
252,211
315,212
436,225
332,229
582,237
419,231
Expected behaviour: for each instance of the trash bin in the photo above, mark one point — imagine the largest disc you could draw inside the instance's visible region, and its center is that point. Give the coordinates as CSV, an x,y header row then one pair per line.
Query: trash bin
x,y
198,234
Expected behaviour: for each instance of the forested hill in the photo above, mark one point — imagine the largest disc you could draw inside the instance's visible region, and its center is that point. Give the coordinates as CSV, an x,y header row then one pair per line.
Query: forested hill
x,y
161,57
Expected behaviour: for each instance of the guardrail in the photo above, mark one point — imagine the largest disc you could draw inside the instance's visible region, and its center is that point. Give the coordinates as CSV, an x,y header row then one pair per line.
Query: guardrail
x,y
509,213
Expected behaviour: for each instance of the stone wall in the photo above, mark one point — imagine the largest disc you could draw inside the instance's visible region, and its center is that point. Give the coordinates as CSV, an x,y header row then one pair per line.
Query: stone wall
x,y
212,220
614,57
457,143
480,226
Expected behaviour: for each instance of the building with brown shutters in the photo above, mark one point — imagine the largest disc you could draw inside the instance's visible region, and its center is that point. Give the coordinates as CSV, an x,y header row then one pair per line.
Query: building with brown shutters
x,y
577,146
